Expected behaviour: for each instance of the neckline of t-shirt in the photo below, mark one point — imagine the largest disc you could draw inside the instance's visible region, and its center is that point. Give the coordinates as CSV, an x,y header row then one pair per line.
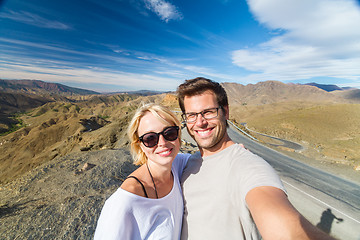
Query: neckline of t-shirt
x,y
150,199
207,158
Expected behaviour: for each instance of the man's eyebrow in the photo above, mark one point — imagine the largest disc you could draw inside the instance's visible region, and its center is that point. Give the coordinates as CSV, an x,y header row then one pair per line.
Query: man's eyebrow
x,y
206,109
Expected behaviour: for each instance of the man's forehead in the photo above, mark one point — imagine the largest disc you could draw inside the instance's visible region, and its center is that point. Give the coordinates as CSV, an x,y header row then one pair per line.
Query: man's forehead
x,y
200,102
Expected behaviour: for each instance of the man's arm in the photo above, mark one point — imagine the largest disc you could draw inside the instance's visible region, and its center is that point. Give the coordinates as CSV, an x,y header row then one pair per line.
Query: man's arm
x,y
276,218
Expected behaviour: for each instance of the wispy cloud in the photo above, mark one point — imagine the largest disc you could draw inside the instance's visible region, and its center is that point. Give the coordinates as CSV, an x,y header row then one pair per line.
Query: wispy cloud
x,y
34,20
52,65
165,10
125,80
317,38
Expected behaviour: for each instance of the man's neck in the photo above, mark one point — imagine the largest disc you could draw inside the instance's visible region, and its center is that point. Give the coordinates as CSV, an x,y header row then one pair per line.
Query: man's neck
x,y
224,143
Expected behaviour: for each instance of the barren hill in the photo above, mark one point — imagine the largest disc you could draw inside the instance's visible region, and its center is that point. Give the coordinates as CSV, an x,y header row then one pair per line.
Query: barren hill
x,y
18,102
274,92
352,95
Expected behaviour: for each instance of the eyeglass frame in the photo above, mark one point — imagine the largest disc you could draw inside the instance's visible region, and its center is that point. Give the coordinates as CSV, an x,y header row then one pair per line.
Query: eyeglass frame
x,y
202,114
158,135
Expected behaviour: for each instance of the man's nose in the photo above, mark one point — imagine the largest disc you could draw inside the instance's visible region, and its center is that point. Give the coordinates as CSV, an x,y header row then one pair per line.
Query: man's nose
x,y
200,120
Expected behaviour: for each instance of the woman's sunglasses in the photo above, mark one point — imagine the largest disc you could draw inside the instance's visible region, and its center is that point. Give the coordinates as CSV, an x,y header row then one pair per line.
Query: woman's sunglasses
x,y
151,139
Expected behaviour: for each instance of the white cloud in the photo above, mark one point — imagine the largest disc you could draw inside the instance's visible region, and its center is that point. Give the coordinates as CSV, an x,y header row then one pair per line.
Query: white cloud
x,y
33,19
165,10
86,76
318,39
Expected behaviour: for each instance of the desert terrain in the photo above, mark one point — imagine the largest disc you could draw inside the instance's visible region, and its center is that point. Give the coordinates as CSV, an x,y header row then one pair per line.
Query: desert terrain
x,y
67,151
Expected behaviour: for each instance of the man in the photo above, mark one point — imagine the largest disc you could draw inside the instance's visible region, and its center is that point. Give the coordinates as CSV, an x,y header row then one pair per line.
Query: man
x,y
230,193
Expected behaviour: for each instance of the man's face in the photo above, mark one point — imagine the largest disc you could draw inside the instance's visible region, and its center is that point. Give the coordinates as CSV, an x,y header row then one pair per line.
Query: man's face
x,y
208,133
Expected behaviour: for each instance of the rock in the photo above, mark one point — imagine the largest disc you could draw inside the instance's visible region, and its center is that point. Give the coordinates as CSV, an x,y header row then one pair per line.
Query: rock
x,y
87,166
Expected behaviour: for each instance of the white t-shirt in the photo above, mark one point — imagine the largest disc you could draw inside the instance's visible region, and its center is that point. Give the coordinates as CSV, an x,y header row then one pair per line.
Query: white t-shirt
x,y
128,216
214,190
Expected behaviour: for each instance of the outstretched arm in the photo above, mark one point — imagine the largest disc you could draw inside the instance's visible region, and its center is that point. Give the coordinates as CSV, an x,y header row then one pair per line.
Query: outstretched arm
x,y
276,218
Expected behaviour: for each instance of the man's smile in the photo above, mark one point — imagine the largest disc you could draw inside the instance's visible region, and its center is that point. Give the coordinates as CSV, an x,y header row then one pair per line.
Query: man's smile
x,y
204,132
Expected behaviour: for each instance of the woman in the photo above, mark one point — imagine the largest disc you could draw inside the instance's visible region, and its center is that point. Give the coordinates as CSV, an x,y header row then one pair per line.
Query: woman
x,y
149,203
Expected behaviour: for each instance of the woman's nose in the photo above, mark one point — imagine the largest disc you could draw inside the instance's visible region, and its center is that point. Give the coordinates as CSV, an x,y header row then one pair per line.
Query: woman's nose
x,y
162,140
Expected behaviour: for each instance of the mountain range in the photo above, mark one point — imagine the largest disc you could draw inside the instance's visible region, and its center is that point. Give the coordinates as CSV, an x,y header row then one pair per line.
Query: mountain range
x,y
274,91
41,87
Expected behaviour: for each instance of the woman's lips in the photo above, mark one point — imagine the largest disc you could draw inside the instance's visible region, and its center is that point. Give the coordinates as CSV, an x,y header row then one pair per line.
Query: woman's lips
x,y
165,153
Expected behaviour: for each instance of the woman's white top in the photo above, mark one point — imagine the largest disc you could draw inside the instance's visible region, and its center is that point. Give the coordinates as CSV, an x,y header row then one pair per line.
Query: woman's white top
x,y
128,216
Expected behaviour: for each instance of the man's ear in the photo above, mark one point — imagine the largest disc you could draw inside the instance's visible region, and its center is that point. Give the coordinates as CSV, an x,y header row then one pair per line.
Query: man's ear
x,y
226,111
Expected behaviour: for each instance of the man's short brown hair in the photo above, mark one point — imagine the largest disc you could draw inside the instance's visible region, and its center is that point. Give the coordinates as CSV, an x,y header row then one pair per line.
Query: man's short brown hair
x,y
198,86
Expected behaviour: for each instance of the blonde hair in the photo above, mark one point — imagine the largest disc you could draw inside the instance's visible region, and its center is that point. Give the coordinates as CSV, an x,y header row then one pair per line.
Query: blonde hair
x,y
164,114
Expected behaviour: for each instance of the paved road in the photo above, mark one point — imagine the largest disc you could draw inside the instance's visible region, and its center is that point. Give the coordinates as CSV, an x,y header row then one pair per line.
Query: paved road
x,y
313,192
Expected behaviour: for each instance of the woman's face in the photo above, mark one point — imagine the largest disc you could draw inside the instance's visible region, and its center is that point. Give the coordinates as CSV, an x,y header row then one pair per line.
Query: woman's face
x,y
165,151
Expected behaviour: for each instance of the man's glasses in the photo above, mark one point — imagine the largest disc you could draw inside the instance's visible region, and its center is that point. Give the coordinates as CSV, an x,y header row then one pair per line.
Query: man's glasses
x,y
151,139
207,114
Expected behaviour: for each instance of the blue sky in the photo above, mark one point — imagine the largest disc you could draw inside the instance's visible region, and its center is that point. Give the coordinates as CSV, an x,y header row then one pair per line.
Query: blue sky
x,y
120,45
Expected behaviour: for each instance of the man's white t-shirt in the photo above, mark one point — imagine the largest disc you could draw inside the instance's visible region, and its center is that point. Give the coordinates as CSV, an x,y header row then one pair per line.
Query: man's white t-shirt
x,y
214,190
128,216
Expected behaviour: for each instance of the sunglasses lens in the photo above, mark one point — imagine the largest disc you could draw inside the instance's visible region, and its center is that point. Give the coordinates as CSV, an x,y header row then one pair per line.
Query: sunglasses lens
x,y
150,139
171,133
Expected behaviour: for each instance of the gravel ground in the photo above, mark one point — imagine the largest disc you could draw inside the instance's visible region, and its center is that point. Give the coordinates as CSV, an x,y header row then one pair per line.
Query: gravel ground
x,y
58,200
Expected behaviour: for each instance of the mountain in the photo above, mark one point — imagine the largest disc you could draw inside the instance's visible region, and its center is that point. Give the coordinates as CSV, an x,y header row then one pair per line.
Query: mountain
x,y
274,91
351,94
41,87
19,102
326,87
348,93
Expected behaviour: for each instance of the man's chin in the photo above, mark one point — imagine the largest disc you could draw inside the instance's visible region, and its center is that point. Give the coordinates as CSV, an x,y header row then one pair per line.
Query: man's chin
x,y
204,144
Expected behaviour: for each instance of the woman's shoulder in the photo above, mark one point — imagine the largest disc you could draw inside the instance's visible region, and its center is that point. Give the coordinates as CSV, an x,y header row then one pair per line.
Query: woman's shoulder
x,y
133,184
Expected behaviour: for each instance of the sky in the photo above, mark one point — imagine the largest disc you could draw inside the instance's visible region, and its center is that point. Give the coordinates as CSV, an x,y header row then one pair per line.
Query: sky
x,y
126,45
